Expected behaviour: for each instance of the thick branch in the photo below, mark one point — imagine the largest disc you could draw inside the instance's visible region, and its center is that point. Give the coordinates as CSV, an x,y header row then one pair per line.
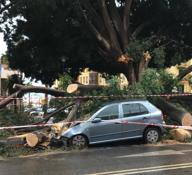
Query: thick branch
x,y
109,26
39,89
126,18
117,22
25,89
97,34
183,73
9,99
94,16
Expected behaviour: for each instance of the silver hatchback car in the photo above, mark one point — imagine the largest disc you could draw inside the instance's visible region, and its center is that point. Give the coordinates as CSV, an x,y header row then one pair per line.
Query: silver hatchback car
x,y
111,123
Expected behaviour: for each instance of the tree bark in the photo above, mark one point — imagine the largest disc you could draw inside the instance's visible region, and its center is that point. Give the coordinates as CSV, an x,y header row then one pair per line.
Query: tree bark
x,y
143,65
126,20
9,99
130,73
108,24
25,89
53,113
99,36
70,117
183,73
39,89
72,88
180,116
33,139
117,22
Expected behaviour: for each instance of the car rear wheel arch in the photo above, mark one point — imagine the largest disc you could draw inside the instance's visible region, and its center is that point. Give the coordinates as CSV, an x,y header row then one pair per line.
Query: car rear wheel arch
x,y
152,129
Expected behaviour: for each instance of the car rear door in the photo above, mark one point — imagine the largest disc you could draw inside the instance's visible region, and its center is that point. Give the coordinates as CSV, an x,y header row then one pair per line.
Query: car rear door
x,y
109,128
134,112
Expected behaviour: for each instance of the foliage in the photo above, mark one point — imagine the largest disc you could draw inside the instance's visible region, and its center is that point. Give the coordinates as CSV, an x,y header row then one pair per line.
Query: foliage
x,y
157,82
4,60
159,56
8,118
55,36
64,81
137,47
5,134
14,151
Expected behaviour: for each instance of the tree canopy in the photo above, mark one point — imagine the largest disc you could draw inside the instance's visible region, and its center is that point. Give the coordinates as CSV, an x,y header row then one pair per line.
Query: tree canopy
x,y
47,38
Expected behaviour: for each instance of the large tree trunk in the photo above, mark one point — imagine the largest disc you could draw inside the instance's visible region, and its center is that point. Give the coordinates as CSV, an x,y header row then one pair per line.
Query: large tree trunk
x,y
33,139
130,74
180,116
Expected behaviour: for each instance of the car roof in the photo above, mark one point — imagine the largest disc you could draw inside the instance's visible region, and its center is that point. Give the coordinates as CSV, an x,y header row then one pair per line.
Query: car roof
x,y
123,101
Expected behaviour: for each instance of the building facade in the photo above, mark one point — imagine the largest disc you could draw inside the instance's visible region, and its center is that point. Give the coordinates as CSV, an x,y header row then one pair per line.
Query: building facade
x,y
89,77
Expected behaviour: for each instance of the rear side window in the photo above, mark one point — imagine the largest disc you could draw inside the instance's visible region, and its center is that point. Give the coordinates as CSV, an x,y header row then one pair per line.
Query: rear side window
x,y
134,109
109,113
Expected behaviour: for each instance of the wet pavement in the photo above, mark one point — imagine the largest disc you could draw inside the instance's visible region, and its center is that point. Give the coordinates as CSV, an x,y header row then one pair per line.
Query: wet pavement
x,y
106,160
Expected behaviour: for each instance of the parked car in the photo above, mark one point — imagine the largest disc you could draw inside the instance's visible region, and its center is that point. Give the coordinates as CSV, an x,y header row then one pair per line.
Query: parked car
x,y
109,124
38,112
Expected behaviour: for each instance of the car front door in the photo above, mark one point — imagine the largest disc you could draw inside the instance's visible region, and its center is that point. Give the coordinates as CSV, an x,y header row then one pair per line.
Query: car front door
x,y
108,128
134,112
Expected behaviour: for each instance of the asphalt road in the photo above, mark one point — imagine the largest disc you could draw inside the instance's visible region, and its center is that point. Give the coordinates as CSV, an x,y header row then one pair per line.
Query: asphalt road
x,y
123,159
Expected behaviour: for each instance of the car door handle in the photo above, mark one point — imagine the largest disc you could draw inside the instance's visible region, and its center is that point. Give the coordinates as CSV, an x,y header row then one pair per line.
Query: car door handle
x,y
145,118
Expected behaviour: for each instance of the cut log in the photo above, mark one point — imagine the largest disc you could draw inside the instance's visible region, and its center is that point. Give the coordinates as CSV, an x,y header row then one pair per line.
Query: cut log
x,y
33,139
180,116
180,135
73,88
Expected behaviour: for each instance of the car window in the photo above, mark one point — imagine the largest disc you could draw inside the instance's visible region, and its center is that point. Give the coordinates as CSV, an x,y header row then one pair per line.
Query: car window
x,y
109,113
134,109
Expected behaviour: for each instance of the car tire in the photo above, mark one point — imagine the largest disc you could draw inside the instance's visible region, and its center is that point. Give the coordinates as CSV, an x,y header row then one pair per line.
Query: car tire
x,y
152,135
78,141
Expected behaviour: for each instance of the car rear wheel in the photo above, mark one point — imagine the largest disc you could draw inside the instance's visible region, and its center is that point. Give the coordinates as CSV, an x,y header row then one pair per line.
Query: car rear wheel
x,y
152,135
79,141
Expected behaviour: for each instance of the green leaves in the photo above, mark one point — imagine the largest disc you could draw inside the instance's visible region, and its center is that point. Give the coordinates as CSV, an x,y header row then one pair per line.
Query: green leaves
x,y
157,82
159,56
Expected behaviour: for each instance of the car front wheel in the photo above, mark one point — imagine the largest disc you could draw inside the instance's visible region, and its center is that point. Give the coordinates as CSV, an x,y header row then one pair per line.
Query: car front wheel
x,y
152,135
79,141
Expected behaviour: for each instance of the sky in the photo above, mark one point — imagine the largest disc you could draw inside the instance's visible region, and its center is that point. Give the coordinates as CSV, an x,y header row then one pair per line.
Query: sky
x,y
3,46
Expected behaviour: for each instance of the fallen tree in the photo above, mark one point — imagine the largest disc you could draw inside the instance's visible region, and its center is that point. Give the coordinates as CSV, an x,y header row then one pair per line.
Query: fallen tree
x,y
39,89
21,90
181,116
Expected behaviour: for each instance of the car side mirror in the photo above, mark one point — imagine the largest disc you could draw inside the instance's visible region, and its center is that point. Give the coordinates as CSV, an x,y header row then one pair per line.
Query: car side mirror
x,y
96,120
